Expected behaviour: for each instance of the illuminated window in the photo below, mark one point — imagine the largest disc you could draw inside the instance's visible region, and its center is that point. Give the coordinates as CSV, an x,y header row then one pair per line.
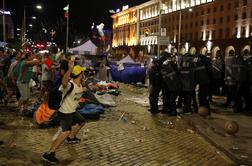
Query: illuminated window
x,y
197,2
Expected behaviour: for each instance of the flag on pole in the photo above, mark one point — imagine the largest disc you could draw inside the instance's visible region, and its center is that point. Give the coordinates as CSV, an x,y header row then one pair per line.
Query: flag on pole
x,y
66,8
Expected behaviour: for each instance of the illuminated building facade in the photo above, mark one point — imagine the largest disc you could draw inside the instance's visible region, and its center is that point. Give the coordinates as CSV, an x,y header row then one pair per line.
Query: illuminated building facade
x,y
208,26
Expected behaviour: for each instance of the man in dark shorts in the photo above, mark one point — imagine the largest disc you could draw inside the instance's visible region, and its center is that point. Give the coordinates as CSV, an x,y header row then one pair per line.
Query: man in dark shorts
x,y
71,121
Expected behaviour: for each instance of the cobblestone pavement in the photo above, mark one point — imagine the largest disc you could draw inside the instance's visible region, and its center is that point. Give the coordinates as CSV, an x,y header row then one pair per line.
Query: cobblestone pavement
x,y
136,138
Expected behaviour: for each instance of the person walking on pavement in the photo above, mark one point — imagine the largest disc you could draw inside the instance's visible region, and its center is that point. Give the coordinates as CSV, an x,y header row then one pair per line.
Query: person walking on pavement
x,y
71,121
248,86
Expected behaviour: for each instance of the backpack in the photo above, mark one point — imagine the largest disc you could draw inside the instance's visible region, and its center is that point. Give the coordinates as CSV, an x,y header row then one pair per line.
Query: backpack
x,y
55,97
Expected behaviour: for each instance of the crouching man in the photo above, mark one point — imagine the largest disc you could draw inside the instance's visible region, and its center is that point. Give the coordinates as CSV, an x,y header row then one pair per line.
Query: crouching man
x,y
71,121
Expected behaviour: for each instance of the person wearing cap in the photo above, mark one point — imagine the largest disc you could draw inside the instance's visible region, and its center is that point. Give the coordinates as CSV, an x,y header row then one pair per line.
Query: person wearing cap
x,y
71,121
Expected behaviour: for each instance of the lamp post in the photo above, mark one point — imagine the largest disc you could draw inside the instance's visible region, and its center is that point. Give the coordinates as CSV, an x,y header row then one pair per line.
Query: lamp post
x,y
4,30
159,27
39,7
179,33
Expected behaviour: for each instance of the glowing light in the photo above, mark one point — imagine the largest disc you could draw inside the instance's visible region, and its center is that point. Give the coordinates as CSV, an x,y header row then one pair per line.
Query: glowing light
x,y
187,46
209,46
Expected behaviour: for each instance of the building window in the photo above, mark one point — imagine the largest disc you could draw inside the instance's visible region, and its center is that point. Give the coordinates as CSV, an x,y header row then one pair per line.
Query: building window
x,y
228,19
229,6
196,24
197,13
202,12
221,20
243,31
202,22
201,36
214,34
207,21
191,24
207,34
191,14
244,2
208,10
235,32
196,36
214,21
236,17
186,26
215,9
244,15
191,36
220,33
227,32
236,4
221,8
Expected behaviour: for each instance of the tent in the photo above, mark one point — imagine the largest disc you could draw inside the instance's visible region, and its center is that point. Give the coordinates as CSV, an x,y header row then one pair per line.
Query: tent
x,y
3,44
86,48
127,59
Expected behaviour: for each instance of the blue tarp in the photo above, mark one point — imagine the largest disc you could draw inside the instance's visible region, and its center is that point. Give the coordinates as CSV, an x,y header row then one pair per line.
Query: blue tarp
x,y
132,73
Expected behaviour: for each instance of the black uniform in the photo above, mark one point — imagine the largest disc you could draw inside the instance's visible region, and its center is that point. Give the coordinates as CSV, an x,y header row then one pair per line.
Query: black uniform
x,y
156,85
248,89
217,71
187,79
172,80
203,78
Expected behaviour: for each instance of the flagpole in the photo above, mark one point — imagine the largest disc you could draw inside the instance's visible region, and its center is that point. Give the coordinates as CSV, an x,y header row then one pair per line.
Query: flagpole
x,y
67,30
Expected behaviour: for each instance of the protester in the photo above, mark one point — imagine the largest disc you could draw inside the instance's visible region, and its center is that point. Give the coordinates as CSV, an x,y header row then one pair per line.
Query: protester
x,y
71,121
24,78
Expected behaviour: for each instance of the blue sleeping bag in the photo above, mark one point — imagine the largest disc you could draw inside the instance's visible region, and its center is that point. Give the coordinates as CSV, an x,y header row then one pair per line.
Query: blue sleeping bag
x,y
92,111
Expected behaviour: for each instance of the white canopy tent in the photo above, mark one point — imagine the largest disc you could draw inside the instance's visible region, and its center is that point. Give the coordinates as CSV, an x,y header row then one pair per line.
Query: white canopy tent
x,y
86,48
126,59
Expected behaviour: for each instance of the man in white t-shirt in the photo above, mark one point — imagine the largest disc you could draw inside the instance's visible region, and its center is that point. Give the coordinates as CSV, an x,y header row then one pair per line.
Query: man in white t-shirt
x,y
71,121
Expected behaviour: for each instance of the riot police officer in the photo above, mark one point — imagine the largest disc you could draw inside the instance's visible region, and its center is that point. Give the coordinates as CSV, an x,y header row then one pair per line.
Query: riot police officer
x,y
239,68
203,72
229,78
248,89
186,75
171,78
157,84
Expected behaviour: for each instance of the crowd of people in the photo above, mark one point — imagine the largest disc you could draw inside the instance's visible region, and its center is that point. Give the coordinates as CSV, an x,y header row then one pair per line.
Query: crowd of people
x,y
189,82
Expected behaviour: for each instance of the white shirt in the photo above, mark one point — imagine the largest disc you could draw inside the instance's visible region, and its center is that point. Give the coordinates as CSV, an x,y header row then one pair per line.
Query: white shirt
x,y
70,103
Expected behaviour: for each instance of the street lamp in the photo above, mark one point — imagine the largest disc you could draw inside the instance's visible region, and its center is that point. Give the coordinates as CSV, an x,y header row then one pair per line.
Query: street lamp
x,y
179,33
30,25
39,7
34,18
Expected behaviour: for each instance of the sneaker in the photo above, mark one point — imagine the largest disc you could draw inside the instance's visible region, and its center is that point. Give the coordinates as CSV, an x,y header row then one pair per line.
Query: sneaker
x,y
50,157
72,140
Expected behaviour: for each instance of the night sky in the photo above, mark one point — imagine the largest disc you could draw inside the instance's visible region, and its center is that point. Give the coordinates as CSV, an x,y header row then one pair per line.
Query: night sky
x,y
82,12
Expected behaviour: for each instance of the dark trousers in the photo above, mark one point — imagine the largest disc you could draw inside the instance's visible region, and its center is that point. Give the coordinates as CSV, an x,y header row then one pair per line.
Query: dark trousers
x,y
239,93
203,94
230,94
187,100
248,96
172,101
154,95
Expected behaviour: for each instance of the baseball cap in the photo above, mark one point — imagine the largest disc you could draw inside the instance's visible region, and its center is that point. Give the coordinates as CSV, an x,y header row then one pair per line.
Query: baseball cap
x,y
77,70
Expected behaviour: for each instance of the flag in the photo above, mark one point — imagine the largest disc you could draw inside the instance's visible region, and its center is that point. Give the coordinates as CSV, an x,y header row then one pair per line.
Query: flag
x,y
66,8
